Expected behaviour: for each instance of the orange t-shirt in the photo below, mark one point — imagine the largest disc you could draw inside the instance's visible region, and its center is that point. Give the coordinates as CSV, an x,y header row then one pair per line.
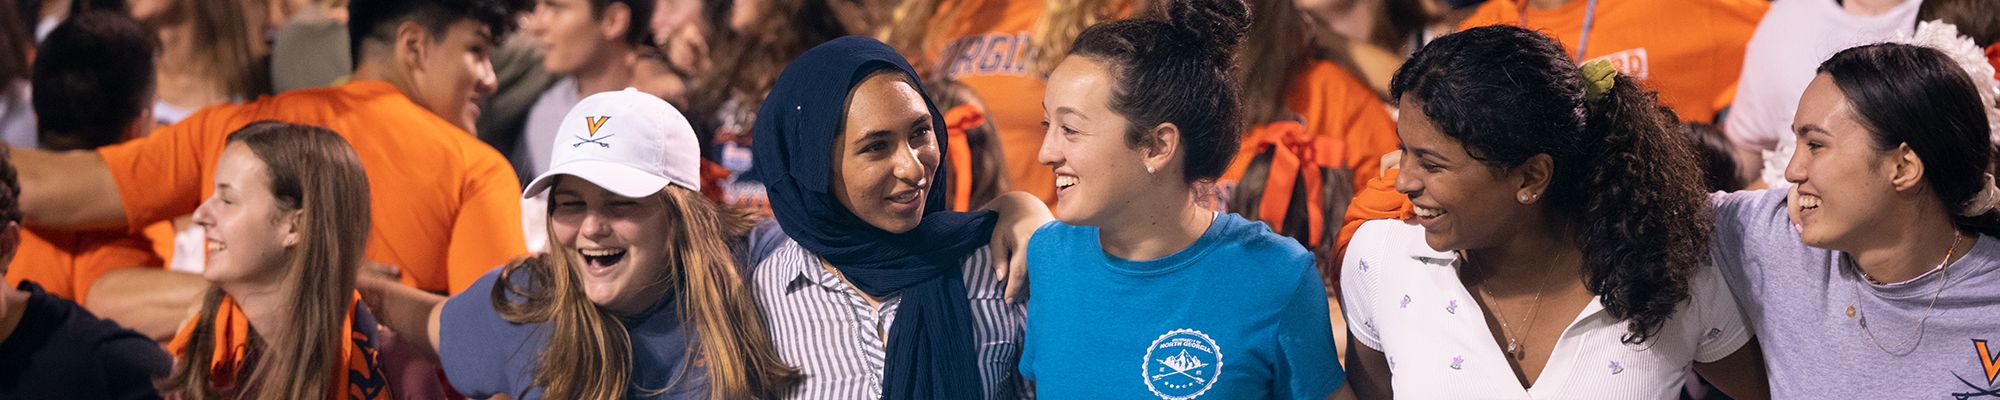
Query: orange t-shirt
x,y
1334,103
1691,51
445,206
67,263
990,49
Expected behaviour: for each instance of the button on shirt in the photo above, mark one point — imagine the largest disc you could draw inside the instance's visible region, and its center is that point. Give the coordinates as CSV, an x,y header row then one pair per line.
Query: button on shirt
x,y
1405,300
825,328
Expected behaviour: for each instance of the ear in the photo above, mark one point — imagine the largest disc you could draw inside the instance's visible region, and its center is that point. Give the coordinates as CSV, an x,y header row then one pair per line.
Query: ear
x,y
412,44
10,241
1534,176
291,227
1159,145
615,21
1906,169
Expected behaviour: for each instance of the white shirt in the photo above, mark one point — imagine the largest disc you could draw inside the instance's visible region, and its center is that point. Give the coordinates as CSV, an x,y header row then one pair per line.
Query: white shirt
x,y
1404,299
1791,41
538,138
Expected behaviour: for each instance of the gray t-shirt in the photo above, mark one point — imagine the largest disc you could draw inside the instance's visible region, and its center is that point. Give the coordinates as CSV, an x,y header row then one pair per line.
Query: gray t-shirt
x,y
1797,299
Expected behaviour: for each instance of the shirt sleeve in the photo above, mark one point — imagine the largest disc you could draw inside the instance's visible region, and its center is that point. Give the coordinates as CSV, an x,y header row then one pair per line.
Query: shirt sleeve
x,y
1356,291
475,344
1308,366
487,230
127,364
1040,245
1721,324
159,176
1741,218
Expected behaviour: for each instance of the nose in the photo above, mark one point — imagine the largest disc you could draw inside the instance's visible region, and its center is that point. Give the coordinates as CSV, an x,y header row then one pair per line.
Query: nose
x,y
594,226
910,167
1795,168
487,82
1406,180
1050,154
204,216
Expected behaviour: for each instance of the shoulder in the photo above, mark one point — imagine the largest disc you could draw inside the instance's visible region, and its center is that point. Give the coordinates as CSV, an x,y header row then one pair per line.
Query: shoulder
x,y
1257,239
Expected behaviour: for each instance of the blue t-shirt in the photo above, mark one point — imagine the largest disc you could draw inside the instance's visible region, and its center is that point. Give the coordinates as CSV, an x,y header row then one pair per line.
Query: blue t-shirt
x,y
483,354
1240,314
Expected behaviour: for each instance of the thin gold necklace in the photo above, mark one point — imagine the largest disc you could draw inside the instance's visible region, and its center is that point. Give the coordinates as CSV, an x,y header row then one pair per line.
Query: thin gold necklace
x,y
1943,269
1513,348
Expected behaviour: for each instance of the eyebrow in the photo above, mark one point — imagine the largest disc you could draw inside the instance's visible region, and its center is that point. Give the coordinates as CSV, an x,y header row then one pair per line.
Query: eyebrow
x,y
1422,152
1802,130
1072,111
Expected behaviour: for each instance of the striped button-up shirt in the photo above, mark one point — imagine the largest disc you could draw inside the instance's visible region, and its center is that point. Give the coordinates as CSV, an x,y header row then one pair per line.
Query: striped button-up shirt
x,y
827,330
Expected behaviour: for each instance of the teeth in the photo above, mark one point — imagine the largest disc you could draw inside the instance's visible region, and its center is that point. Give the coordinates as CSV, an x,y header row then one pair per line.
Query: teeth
x,y
214,246
1065,181
905,196
601,252
1807,201
1427,212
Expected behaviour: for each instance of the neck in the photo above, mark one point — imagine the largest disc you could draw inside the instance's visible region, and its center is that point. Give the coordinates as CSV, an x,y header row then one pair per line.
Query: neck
x,y
13,306
1914,245
379,70
266,306
1161,223
1869,8
606,76
1548,4
1538,252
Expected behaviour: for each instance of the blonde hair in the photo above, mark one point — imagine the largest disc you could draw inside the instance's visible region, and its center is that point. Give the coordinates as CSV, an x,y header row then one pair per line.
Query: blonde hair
x,y
312,171
589,354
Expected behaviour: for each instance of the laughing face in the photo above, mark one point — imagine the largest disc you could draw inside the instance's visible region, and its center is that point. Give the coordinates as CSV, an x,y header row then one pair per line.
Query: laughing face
x,y
1839,178
886,154
617,244
1097,169
249,233
1462,203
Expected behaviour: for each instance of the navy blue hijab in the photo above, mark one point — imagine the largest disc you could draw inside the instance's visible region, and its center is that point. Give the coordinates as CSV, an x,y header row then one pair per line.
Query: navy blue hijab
x,y
931,353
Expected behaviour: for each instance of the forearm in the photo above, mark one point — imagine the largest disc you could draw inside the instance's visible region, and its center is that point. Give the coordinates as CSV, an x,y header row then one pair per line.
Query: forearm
x,y
154,302
71,190
406,310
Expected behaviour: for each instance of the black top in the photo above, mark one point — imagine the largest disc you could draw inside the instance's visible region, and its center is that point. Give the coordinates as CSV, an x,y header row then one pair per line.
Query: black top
x,y
61,351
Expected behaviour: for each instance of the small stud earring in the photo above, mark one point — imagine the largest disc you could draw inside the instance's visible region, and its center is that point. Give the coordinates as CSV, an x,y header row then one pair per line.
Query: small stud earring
x,y
1149,169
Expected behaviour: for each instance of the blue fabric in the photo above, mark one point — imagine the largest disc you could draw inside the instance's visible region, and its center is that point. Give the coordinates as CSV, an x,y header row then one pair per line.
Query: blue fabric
x,y
483,354
1239,314
930,350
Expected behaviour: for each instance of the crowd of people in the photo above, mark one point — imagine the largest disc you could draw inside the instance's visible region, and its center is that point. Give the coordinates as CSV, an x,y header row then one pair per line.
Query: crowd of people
x,y
999,199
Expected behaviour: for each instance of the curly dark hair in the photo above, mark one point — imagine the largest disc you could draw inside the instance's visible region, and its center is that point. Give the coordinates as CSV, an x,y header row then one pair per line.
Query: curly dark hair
x,y
1622,170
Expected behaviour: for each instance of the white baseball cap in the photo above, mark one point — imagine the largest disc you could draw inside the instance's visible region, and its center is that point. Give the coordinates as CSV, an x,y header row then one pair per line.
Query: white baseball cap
x,y
628,142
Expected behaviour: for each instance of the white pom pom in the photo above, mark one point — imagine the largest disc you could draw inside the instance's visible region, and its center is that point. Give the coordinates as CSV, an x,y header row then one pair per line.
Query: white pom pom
x,y
1945,38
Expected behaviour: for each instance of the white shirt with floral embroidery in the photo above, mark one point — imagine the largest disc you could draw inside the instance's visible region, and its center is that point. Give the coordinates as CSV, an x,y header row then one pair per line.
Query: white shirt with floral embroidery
x,y
1404,299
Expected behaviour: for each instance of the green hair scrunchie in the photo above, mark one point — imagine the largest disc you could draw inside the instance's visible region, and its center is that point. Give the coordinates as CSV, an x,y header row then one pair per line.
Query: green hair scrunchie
x,y
1599,77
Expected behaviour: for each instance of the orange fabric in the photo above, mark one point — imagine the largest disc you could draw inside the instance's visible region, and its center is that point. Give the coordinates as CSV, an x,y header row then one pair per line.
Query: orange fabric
x,y
1334,104
1993,57
1376,200
1688,50
956,122
1297,154
989,48
446,206
67,263
232,343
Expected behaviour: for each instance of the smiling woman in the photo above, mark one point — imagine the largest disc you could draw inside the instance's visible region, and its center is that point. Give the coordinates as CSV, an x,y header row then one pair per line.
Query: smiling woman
x,y
286,227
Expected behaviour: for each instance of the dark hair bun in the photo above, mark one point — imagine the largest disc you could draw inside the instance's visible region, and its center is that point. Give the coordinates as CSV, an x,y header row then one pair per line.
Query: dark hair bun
x,y
1217,26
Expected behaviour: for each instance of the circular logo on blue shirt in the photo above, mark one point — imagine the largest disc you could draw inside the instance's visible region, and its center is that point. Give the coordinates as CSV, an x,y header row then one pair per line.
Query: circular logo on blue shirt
x,y
1182,364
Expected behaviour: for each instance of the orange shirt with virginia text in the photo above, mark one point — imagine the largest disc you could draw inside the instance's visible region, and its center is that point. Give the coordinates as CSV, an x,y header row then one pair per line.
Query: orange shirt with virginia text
x,y
989,47
1691,51
445,206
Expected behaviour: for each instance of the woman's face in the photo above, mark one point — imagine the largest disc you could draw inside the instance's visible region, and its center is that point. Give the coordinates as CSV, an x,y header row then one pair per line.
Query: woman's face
x,y
1462,202
886,154
1097,170
249,233
1840,182
617,244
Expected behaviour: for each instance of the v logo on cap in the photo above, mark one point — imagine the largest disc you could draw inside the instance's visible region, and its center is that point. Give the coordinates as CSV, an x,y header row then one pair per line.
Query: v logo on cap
x,y
595,122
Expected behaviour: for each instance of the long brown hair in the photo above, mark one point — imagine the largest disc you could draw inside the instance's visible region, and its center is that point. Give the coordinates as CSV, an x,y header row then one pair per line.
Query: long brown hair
x,y
589,354
223,46
312,171
1272,55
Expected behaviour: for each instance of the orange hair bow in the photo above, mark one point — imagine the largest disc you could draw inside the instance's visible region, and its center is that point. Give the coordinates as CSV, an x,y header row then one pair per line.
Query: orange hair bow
x,y
956,121
1294,154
